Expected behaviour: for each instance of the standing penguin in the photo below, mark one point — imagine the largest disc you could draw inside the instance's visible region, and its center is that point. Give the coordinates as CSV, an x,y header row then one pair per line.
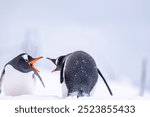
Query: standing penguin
x,y
79,72
18,76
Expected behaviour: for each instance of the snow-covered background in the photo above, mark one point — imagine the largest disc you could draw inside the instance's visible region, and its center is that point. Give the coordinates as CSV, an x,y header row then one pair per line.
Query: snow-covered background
x,y
116,33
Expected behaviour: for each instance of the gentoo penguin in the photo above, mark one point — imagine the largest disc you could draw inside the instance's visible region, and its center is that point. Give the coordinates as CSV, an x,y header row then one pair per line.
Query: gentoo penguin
x,y
18,76
79,72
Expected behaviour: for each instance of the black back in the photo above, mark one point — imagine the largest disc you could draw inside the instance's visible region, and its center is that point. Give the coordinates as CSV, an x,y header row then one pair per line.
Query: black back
x,y
80,72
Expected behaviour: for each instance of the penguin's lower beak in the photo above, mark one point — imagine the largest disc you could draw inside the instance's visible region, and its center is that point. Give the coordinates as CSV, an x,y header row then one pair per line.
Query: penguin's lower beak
x,y
32,63
54,70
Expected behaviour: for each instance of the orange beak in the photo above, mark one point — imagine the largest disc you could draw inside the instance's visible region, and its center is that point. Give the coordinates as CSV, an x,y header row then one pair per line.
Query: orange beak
x,y
32,63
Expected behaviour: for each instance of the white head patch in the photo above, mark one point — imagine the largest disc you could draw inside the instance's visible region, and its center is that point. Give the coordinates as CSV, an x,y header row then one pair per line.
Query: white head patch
x,y
25,57
56,62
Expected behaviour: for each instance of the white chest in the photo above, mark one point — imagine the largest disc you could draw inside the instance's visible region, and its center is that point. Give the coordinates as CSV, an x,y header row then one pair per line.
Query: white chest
x,y
17,83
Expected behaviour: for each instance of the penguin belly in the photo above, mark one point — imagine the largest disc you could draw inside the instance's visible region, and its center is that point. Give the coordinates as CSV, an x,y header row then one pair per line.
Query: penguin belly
x,y
64,90
16,83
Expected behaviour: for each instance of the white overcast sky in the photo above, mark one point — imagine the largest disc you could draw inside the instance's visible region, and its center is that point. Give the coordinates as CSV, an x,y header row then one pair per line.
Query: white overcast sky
x,y
115,32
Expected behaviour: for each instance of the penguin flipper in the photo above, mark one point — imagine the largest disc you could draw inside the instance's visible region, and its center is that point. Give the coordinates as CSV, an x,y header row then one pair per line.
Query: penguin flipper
x,y
33,76
40,78
105,82
62,73
1,79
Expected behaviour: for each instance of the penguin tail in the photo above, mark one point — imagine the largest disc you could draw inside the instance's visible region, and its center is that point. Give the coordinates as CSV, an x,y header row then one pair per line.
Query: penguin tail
x,y
105,82
80,94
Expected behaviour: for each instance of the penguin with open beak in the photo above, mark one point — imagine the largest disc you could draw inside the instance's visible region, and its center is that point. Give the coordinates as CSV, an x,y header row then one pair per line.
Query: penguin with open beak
x,y
18,76
79,72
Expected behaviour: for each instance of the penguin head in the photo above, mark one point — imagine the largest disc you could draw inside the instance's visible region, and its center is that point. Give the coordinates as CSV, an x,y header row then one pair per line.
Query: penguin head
x,y
58,62
24,63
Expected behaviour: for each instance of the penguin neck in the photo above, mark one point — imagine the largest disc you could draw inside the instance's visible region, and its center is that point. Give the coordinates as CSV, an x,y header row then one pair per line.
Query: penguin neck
x,y
9,68
19,67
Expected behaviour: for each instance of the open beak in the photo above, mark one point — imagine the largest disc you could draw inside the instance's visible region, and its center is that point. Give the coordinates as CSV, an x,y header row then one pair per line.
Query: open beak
x,y
32,63
54,70
53,60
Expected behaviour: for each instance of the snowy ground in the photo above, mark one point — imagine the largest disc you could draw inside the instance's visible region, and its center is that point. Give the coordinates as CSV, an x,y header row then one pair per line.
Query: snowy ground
x,y
121,90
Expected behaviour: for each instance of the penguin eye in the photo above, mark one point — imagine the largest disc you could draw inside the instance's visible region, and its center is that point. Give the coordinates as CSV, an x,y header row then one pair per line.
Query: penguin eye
x,y
26,60
25,57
